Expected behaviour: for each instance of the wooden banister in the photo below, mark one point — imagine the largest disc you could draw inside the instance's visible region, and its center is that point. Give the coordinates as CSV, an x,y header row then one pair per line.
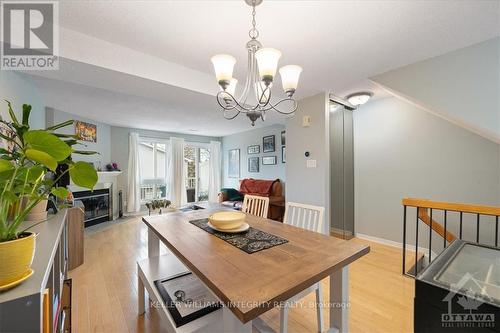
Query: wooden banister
x,y
436,226
456,207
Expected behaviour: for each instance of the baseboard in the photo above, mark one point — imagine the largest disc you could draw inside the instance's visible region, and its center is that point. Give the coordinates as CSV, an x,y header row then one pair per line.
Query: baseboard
x,y
399,245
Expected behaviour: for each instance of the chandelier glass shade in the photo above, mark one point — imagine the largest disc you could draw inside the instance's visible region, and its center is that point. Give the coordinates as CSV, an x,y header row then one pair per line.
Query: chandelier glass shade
x,y
255,99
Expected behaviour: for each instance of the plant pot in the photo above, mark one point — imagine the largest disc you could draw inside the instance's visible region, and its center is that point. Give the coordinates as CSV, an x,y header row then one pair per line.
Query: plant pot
x,y
38,213
16,257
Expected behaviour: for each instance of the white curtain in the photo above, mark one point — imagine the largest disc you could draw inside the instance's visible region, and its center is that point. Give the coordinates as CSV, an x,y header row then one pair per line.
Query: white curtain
x,y
214,172
134,175
176,172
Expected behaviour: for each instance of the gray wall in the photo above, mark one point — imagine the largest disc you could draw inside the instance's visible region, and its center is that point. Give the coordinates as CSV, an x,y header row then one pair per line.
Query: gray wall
x,y
462,85
309,185
402,151
242,141
102,146
19,89
120,148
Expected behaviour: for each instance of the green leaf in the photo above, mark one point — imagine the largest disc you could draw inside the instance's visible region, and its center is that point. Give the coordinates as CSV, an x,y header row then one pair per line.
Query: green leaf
x,y
26,114
6,175
60,192
5,165
35,172
42,158
85,152
83,174
9,197
61,125
12,114
48,143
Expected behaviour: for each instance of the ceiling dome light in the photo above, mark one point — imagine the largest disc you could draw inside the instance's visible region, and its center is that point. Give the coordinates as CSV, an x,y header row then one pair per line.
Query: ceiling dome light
x,y
359,98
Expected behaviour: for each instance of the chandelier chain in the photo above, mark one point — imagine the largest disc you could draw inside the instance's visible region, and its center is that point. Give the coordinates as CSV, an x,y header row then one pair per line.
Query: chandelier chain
x,y
253,33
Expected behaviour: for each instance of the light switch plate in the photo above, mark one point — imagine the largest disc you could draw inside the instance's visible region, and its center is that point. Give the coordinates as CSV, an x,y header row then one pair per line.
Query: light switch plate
x,y
311,163
306,121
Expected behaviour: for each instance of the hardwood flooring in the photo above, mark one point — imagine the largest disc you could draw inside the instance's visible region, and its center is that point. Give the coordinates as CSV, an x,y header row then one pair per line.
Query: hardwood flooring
x,y
105,290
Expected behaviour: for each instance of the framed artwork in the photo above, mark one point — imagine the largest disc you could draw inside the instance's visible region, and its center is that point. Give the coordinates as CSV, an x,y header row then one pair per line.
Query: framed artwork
x,y
283,154
233,163
268,144
253,164
86,131
269,160
255,149
283,138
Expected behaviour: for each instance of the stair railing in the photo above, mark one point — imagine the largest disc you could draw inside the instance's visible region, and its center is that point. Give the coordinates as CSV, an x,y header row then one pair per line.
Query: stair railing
x,y
425,212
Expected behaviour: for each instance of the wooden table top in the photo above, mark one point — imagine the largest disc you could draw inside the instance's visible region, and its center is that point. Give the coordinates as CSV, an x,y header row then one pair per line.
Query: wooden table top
x,y
251,284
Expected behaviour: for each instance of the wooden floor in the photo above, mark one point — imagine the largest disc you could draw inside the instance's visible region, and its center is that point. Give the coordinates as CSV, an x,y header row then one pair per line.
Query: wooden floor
x,y
105,288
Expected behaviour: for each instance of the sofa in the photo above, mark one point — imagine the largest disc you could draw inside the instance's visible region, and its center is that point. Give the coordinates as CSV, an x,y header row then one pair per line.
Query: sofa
x,y
268,188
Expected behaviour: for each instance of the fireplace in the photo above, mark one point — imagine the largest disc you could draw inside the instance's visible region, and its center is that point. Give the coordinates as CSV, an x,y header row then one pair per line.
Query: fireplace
x,y
98,203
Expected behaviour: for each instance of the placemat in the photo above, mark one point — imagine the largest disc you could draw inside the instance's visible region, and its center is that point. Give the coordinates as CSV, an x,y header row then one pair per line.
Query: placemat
x,y
251,241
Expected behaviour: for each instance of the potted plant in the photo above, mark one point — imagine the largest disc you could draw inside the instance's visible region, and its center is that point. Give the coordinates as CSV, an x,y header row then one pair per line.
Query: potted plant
x,y
27,160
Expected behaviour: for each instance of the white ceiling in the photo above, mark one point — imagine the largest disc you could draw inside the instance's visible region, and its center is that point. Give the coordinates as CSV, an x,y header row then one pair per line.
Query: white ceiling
x,y
338,43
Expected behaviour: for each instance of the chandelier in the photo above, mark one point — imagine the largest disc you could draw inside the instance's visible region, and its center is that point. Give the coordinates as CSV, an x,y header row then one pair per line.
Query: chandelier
x,y
261,71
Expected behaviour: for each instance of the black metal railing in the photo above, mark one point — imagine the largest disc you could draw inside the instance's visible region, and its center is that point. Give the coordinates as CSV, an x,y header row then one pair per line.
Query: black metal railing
x,y
426,214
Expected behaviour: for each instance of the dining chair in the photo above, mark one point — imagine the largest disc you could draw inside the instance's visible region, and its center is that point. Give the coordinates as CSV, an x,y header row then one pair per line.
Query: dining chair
x,y
310,218
255,205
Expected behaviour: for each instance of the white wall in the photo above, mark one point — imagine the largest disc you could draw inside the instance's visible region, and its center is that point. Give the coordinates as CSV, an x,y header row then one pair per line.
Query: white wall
x,y
462,86
102,146
308,185
19,89
253,137
402,151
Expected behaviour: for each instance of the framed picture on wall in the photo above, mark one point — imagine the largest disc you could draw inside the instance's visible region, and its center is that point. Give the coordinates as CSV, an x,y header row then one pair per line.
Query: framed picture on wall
x,y
86,131
253,164
283,138
233,163
269,160
268,144
255,149
283,154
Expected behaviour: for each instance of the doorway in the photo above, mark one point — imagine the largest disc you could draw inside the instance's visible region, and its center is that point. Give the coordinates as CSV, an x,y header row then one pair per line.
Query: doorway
x,y
197,171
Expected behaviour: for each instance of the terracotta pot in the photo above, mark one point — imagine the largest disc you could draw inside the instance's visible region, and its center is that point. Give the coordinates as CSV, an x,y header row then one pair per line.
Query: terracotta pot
x,y
16,257
38,213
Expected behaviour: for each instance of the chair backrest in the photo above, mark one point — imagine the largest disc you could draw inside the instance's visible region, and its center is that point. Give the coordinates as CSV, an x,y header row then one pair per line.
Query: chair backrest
x,y
304,216
255,205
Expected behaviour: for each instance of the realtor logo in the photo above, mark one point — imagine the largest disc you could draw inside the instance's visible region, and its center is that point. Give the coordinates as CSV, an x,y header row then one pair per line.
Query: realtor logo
x,y
464,306
30,35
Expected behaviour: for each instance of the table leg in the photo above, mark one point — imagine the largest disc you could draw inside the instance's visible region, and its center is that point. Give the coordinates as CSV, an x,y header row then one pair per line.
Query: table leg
x,y
339,300
231,324
153,244
140,296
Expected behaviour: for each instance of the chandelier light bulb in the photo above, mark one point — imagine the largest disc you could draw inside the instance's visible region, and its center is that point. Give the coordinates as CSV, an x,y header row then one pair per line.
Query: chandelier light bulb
x,y
290,75
267,61
223,66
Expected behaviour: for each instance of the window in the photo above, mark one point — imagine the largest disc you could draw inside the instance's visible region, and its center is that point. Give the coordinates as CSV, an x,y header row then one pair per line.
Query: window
x,y
153,178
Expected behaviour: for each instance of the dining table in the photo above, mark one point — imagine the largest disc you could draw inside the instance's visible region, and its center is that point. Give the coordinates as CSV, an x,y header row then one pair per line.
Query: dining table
x,y
250,284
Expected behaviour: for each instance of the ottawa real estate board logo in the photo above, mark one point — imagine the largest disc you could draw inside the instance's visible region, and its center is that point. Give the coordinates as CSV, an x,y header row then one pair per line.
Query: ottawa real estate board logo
x,y
465,308
29,35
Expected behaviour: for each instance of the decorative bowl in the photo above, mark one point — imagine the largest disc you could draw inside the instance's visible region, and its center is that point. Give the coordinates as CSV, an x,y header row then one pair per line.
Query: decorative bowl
x,y
227,220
